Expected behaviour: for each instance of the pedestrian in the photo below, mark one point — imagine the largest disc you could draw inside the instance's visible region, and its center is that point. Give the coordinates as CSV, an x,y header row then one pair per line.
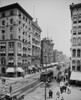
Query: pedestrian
x,y
61,86
50,93
10,88
58,94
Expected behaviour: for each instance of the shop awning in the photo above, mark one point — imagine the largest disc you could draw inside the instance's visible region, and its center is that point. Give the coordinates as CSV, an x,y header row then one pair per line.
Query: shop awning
x,y
10,69
30,67
33,66
76,76
19,69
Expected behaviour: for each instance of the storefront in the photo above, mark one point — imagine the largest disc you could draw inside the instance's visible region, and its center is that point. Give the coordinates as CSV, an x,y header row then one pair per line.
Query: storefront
x,y
75,77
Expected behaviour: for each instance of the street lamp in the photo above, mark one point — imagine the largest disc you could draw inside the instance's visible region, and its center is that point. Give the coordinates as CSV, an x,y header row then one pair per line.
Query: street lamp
x,y
45,76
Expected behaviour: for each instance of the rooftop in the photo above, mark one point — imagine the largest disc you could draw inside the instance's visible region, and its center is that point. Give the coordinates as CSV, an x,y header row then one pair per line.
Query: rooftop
x,y
15,5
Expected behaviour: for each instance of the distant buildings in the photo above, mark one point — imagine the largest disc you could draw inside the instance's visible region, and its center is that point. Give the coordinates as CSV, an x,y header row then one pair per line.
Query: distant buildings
x,y
75,40
46,51
59,57
20,44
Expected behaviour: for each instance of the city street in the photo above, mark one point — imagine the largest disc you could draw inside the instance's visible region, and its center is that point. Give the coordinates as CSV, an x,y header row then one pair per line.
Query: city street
x,y
39,93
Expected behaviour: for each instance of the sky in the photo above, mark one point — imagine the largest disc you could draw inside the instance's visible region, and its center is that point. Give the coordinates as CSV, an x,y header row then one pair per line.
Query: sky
x,y
54,18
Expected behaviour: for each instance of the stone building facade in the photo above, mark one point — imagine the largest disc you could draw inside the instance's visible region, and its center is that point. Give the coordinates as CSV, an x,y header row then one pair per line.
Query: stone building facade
x,y
76,37
46,51
16,37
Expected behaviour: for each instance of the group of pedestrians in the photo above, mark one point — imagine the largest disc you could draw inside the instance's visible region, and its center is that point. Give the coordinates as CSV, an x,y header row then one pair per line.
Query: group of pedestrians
x,y
64,87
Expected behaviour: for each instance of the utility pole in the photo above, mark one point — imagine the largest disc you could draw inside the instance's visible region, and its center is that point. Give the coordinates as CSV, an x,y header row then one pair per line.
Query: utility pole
x,y
45,76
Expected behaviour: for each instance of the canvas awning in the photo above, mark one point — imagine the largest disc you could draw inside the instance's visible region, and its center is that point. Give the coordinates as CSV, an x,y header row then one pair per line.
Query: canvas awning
x,y
30,67
33,66
76,76
10,69
19,69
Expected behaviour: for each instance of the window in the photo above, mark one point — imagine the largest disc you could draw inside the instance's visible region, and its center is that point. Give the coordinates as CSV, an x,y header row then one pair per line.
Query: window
x,y
78,68
79,18
26,19
75,19
19,30
29,36
23,33
12,12
79,41
73,61
11,36
74,33
3,54
74,41
3,31
78,53
19,15
11,21
73,67
11,28
11,44
19,45
10,54
3,37
3,22
3,61
74,53
19,22
23,17
3,14
78,65
19,37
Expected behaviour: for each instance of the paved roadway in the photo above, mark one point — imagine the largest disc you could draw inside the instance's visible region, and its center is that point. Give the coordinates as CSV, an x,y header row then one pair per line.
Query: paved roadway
x,y
18,85
39,93
22,85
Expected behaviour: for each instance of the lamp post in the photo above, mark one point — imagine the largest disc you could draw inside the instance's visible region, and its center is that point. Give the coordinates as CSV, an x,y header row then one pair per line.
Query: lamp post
x,y
45,76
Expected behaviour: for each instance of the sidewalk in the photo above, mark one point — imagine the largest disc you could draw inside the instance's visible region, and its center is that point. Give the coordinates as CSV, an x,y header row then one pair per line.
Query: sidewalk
x,y
39,94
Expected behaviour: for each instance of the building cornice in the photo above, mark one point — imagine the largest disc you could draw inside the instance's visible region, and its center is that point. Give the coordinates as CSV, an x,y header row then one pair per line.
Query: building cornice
x,y
36,26
15,5
74,6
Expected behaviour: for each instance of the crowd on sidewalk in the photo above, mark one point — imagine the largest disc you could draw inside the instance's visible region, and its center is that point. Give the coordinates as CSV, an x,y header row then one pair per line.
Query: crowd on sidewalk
x,y
63,87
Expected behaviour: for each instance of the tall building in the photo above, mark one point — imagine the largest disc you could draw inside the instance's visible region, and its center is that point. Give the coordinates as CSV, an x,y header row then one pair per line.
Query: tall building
x,y
15,37
46,51
36,44
76,40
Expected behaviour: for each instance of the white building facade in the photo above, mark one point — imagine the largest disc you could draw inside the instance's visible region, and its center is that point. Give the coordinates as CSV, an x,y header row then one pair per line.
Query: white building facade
x,y
76,39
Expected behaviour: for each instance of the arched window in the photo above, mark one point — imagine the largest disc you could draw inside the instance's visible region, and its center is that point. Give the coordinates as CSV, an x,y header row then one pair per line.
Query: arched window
x,y
74,41
78,53
74,53
3,61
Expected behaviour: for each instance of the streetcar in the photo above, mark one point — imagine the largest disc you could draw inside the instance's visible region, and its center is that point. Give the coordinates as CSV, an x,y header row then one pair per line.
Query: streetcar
x,y
47,76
